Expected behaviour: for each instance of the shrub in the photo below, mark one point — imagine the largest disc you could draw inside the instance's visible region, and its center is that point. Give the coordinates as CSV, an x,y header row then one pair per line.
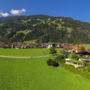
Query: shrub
x,y
75,56
52,62
88,66
64,52
60,58
53,50
49,61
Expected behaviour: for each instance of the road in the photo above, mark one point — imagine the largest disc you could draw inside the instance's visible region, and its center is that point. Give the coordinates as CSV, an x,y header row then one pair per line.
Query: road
x,y
24,57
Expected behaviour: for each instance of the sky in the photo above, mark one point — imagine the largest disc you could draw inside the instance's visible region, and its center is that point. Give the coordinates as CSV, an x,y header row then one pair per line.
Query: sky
x,y
77,9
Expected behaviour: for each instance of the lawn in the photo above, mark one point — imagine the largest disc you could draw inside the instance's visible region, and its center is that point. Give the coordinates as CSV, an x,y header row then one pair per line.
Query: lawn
x,y
34,74
25,52
87,46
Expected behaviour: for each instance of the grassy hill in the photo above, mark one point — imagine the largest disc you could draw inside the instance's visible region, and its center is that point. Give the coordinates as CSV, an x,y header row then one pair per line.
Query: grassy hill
x,y
43,29
34,74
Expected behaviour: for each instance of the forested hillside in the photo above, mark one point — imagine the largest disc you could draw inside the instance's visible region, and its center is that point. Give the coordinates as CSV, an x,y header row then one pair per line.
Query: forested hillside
x,y
43,29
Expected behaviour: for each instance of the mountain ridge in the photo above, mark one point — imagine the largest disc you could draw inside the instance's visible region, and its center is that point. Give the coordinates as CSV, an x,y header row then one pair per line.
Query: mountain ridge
x,y
44,29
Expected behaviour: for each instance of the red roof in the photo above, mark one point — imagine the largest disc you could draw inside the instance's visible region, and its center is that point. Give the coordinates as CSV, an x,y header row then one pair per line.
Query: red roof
x,y
71,47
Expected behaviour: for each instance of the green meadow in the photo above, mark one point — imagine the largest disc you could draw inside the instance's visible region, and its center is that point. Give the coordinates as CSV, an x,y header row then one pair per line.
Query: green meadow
x,y
35,74
25,52
87,46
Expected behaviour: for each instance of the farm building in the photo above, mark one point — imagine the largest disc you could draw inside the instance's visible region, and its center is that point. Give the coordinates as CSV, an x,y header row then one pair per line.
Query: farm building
x,y
76,65
72,48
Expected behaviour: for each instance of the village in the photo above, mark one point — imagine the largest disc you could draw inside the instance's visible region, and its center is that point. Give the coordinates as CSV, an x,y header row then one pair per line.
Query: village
x,y
24,46
84,54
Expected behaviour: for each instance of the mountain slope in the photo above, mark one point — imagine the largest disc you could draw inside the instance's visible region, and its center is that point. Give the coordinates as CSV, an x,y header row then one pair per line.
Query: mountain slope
x,y
43,29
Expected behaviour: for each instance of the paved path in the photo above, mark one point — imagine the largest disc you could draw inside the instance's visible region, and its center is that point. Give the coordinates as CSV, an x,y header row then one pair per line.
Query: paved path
x,y
25,57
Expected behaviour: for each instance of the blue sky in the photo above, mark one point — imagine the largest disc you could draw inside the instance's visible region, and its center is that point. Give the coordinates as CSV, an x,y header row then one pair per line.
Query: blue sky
x,y
77,9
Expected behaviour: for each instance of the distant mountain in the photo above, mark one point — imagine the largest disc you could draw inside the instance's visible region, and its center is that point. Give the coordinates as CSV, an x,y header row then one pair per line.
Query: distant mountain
x,y
43,29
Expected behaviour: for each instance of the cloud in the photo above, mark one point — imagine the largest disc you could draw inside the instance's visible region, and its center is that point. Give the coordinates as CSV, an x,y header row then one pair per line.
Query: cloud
x,y
13,12
4,14
17,12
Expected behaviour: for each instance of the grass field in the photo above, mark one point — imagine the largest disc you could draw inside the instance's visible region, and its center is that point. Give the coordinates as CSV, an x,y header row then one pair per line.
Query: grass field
x,y
34,74
25,52
87,46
